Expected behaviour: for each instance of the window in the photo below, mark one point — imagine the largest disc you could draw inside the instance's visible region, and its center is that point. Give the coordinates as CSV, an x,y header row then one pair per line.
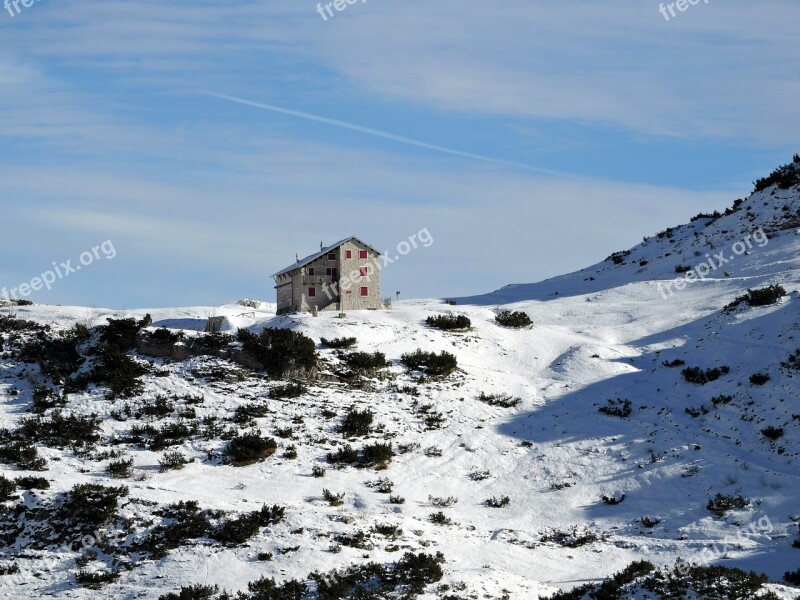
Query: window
x,y
365,291
331,255
310,271
362,254
348,254
312,292
363,271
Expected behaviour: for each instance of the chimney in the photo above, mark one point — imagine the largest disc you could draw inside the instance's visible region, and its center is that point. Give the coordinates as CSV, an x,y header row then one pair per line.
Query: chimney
x,y
320,246
296,257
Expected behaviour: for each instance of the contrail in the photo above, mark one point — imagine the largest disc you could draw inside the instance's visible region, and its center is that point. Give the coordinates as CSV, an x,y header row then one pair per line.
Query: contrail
x,y
382,134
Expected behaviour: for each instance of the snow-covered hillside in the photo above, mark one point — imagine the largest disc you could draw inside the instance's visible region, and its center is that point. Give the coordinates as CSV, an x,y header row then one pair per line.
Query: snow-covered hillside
x,y
600,337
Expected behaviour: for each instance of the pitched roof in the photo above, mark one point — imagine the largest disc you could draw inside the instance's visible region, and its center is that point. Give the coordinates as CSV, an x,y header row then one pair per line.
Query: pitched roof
x,y
312,257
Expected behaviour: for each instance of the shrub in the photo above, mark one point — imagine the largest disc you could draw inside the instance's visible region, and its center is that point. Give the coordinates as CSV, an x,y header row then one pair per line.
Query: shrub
x,y
758,297
115,370
388,530
397,500
249,448
376,454
61,430
433,420
91,505
572,538
344,455
785,177
356,423
364,361
9,569
32,483
120,469
793,362
318,471
279,350
792,577
340,343
7,488
192,592
613,500
500,502
772,433
95,580
759,378
21,453
722,399
122,332
449,322
618,258
430,363
443,502
236,531
333,499
501,400
701,377
439,518
288,390
681,269
172,461
515,319
611,589
617,408
721,504
160,407
673,363
479,475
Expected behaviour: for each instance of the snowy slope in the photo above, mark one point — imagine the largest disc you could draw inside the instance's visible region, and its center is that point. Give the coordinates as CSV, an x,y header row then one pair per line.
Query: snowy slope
x,y
601,334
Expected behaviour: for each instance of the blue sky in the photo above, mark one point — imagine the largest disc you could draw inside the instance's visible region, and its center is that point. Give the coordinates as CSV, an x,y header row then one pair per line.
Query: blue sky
x,y
107,135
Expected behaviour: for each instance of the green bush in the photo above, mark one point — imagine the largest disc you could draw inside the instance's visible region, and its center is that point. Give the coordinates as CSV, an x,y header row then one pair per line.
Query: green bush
x,y
449,322
721,504
516,319
430,363
288,390
785,177
20,453
793,362
30,482
172,461
759,297
120,469
7,488
772,433
376,454
91,505
122,332
344,455
192,592
617,408
759,378
612,589
95,580
340,343
364,361
249,448
356,423
279,350
234,532
701,377
61,430
501,400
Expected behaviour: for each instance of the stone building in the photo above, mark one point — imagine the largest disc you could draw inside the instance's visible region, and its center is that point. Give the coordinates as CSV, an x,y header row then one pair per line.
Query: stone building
x,y
343,276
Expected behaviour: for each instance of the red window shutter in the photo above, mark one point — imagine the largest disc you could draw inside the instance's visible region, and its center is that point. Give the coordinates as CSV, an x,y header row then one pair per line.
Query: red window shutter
x,y
363,254
349,254
363,271
312,292
365,291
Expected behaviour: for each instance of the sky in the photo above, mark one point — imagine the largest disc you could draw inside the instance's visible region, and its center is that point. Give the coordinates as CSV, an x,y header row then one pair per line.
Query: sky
x,y
182,152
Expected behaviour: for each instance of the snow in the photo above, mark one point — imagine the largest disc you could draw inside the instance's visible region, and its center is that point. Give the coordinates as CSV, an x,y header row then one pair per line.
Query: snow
x,y
592,340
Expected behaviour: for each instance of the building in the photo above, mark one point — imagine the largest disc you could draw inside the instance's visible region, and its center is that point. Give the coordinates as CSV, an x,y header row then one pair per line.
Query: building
x,y
343,276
